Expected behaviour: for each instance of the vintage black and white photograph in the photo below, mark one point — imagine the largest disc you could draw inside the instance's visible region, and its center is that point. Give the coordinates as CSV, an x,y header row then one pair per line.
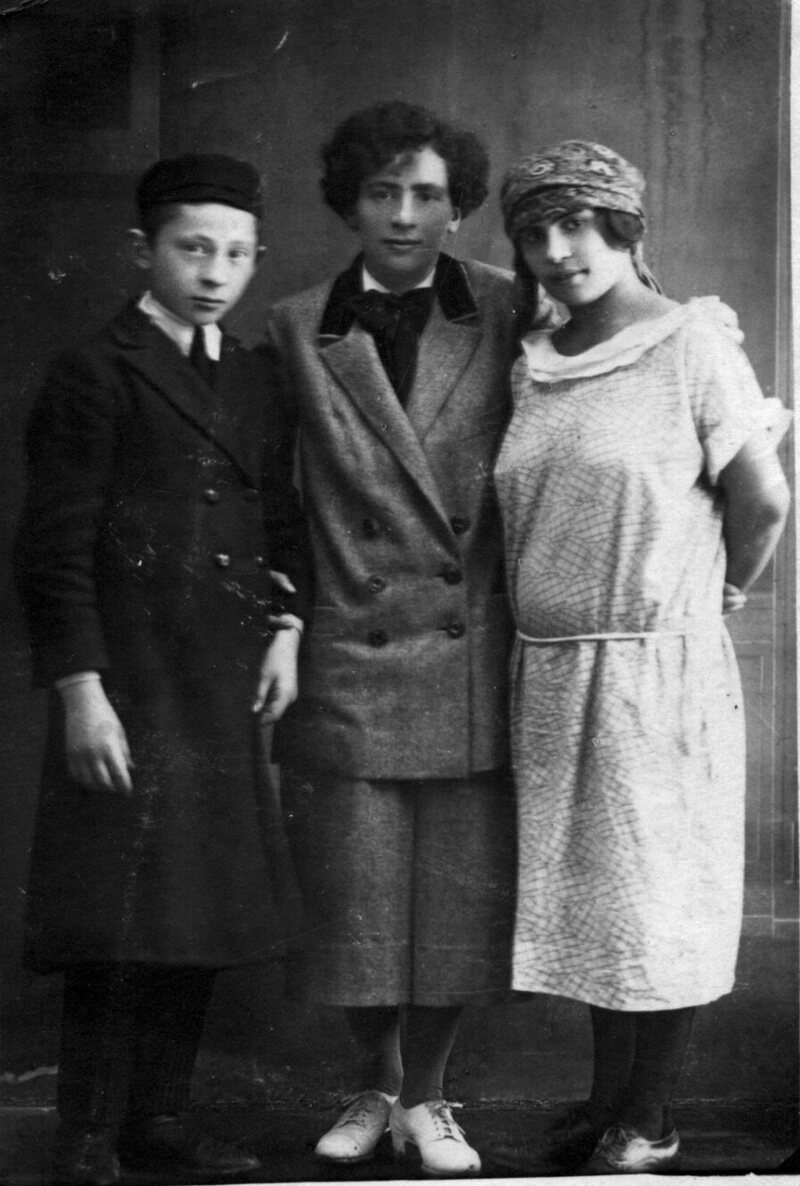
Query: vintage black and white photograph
x,y
398,660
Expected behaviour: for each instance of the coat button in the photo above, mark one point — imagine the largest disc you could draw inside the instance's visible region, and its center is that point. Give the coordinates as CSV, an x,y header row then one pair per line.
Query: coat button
x,y
371,528
376,584
251,495
377,638
260,561
453,576
460,524
211,495
222,560
456,630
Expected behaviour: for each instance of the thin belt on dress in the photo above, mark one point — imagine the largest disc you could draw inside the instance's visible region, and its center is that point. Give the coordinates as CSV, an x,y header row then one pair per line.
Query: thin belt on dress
x,y
692,628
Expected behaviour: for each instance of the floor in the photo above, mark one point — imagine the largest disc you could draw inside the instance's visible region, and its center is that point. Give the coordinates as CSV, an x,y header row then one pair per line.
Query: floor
x,y
717,1139
270,1074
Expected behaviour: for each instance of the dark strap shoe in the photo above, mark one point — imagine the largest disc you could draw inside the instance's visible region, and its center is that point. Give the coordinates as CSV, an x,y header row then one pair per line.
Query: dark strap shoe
x,y
85,1157
623,1150
565,1145
159,1142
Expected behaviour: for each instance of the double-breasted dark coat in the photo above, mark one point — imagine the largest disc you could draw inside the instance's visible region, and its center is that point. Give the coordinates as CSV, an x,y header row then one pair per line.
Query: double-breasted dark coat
x,y
156,509
404,673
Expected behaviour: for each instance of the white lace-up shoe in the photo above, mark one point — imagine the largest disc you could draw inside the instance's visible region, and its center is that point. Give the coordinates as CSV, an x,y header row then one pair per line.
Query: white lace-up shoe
x,y
431,1129
361,1125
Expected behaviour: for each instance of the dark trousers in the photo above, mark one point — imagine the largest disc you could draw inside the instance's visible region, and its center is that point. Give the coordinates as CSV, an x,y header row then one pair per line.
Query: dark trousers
x,y
129,1040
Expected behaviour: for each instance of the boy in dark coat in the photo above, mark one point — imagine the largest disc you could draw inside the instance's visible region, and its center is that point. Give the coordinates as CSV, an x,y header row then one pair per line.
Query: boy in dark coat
x,y
160,519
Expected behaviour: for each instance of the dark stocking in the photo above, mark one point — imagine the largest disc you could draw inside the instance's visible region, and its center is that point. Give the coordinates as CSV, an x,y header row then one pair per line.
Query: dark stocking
x,y
661,1042
96,1045
170,1011
428,1036
377,1031
614,1048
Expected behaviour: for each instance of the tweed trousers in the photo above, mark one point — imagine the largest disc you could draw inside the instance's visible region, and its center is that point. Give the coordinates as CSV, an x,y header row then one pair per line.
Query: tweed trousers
x,y
408,888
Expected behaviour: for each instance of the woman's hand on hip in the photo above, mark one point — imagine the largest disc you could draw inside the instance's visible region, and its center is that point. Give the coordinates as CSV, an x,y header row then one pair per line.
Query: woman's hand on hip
x,y
733,599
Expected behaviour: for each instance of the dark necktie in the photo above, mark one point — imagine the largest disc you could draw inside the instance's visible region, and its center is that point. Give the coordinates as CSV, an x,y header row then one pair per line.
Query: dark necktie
x,y
199,359
396,322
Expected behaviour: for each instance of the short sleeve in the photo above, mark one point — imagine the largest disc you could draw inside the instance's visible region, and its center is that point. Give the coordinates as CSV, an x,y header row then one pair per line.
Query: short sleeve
x,y
727,403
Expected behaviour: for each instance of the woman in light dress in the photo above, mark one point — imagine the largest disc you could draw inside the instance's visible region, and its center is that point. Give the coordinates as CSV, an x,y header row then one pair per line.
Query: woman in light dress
x,y
639,484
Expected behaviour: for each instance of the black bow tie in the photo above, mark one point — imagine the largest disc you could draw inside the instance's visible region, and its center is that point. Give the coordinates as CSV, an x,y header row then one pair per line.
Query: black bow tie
x,y
381,312
396,321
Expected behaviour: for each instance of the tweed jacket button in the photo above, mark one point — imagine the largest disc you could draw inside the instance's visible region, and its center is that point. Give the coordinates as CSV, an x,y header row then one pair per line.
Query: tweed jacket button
x,y
211,495
459,524
260,561
251,494
453,576
222,560
456,630
378,638
376,584
371,528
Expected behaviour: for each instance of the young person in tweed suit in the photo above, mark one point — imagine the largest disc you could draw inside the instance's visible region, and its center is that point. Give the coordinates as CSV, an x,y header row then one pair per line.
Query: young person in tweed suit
x,y
395,759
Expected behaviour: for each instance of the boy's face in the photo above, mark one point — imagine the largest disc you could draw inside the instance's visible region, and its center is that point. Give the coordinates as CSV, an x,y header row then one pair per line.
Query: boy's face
x,y
201,260
402,216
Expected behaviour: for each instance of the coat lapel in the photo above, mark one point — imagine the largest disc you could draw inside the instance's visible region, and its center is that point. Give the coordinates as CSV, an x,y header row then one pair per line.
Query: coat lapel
x,y
159,362
446,347
445,351
354,363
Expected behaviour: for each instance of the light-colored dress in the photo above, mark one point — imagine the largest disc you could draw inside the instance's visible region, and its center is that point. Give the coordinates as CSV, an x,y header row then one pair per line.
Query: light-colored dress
x,y
627,716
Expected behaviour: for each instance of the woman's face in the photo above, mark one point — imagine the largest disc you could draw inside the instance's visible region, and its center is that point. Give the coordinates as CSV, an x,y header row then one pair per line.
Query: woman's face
x,y
571,257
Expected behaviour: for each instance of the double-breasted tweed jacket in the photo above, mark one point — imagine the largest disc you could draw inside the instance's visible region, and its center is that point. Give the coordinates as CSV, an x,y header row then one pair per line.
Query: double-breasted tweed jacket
x,y
404,671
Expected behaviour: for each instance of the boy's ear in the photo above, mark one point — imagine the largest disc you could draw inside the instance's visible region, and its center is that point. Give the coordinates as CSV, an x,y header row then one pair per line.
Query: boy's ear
x,y
260,253
141,252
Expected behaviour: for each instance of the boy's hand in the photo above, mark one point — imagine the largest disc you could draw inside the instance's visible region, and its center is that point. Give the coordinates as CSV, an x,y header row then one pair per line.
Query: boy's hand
x,y
97,749
733,599
277,684
282,581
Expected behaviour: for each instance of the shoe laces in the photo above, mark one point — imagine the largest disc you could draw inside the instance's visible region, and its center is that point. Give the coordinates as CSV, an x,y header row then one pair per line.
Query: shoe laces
x,y
442,1116
618,1136
358,1109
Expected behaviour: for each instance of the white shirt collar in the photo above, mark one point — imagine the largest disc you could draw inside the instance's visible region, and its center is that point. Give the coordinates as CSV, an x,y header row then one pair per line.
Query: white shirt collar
x,y
179,331
368,282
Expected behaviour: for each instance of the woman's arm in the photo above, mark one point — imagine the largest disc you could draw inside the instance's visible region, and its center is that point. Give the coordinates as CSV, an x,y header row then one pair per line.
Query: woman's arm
x,y
756,506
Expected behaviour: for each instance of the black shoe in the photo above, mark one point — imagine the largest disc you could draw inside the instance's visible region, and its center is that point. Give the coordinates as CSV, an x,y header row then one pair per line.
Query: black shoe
x,y
85,1157
565,1145
164,1141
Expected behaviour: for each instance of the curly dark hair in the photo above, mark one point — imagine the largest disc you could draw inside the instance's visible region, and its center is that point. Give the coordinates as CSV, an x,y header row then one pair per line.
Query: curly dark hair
x,y
370,139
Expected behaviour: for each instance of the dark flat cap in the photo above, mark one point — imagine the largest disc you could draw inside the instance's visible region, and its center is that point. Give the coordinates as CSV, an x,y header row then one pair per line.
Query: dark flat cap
x,y
201,177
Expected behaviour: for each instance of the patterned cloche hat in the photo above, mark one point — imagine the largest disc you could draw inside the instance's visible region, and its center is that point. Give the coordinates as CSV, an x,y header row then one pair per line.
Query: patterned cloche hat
x,y
574,173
